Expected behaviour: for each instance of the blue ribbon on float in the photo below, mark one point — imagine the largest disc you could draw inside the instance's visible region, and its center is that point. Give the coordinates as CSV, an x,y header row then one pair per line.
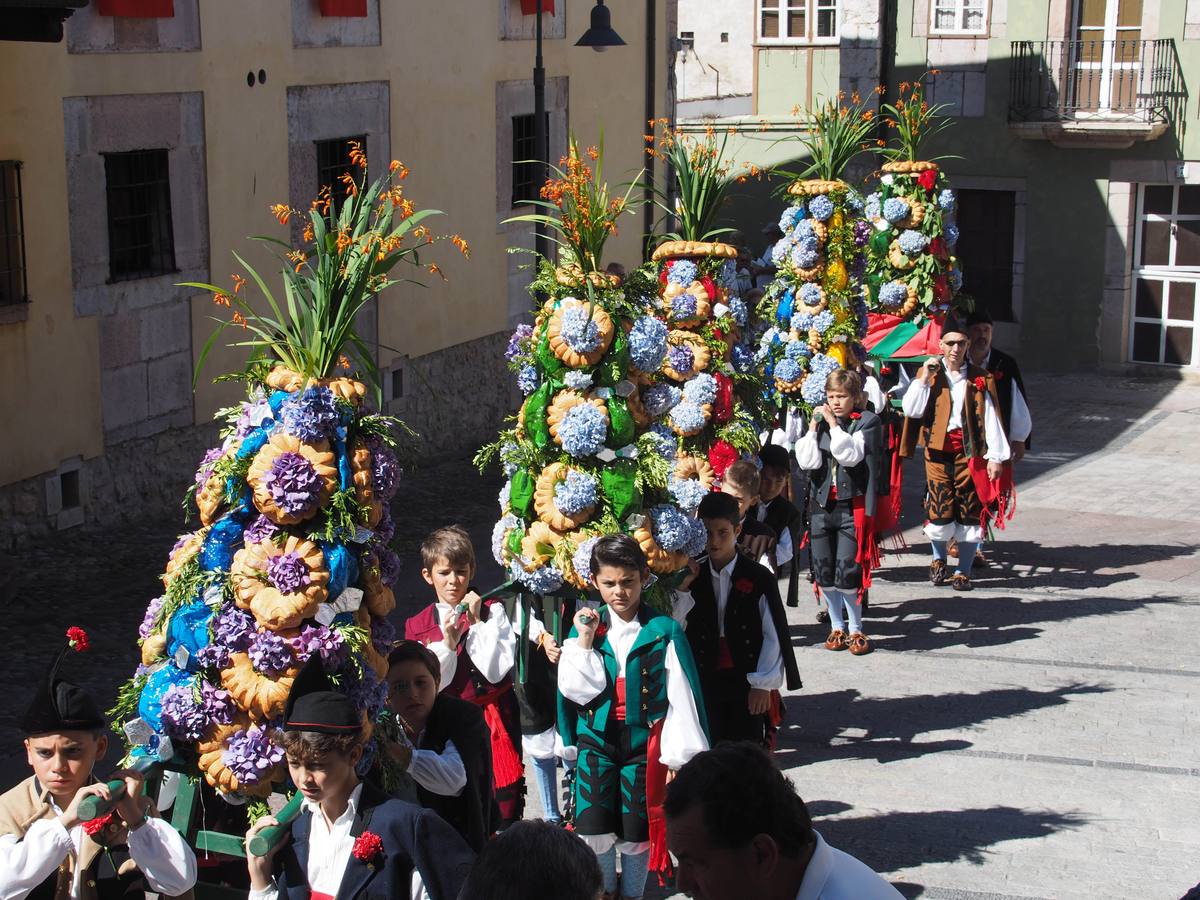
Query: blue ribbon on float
x,y
159,682
786,305
188,628
343,567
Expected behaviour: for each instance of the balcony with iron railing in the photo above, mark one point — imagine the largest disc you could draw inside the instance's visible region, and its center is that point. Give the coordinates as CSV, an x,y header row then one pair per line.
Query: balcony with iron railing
x,y
1095,93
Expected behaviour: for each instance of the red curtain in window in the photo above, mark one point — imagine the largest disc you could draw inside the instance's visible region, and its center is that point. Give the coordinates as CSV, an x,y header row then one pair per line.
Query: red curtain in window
x,y
137,9
529,7
344,8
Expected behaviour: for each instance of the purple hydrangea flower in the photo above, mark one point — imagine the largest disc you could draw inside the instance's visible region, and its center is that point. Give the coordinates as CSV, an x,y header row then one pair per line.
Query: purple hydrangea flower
x,y
205,469
386,529
182,716
251,754
522,334
383,634
233,627
269,653
681,358
369,693
389,566
293,483
260,530
254,415
683,306
319,639
312,416
213,656
862,233
147,626
385,471
287,572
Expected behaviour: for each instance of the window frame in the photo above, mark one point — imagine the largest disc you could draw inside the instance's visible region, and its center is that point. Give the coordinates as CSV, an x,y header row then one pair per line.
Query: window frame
x,y
17,236
336,191
514,161
1164,275
162,263
960,11
810,8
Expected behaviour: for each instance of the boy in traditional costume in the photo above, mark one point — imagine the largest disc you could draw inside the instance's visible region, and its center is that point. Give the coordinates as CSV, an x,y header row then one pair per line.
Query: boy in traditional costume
x,y
476,647
778,513
952,410
630,702
737,629
351,838
46,851
843,451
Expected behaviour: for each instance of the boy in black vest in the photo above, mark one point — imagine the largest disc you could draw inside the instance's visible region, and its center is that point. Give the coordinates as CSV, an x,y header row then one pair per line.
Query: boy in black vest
x,y
737,629
776,511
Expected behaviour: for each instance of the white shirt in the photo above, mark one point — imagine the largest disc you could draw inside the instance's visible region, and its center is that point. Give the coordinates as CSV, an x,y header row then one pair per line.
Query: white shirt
x,y
491,645
834,875
1022,421
581,678
874,393
164,859
441,773
916,398
847,449
783,546
769,674
329,849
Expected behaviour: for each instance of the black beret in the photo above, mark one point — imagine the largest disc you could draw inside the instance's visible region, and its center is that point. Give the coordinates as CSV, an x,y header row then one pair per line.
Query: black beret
x,y
60,705
313,704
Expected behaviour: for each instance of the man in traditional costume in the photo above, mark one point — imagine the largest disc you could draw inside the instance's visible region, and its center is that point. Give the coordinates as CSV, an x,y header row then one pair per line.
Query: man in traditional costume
x,y
951,409
46,851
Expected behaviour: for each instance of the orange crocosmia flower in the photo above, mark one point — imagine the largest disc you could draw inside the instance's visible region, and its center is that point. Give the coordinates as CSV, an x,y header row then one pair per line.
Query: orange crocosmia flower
x,y
420,231
239,319
308,232
461,243
343,241
357,157
437,270
298,258
238,282
221,299
351,188
593,153
406,207
344,361
281,212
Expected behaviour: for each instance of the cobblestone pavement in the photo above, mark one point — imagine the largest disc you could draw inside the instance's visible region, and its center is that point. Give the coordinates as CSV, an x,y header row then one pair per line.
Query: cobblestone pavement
x,y
1036,738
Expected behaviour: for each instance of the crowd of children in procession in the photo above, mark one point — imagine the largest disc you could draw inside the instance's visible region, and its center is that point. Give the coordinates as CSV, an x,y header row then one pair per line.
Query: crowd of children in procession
x,y
620,694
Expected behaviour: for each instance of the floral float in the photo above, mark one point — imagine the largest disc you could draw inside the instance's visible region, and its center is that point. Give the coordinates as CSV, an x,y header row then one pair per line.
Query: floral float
x,y
293,554
580,457
814,313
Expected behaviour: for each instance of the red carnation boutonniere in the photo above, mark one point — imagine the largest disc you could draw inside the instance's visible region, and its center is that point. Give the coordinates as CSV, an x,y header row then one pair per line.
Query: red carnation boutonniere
x,y
601,631
856,415
743,585
885,370
980,384
77,639
368,848
95,826
928,178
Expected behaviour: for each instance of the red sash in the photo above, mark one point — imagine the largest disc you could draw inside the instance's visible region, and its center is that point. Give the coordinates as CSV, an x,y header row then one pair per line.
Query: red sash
x,y
619,706
724,657
999,498
656,793
317,895
506,764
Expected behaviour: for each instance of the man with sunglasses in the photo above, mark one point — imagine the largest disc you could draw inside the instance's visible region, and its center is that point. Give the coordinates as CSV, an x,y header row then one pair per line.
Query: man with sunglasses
x,y
951,409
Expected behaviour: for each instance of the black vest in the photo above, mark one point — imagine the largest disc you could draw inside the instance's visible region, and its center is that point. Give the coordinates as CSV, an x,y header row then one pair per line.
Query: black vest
x,y
782,515
862,480
1006,372
743,624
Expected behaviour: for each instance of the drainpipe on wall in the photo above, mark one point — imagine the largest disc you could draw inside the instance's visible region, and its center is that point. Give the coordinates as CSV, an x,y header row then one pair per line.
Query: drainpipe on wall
x,y
887,53
648,190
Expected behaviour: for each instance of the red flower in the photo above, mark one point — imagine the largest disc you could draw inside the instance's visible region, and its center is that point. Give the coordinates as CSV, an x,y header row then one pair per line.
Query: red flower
x,y
601,631
723,404
368,847
97,825
941,289
937,247
980,384
78,639
721,456
885,370
743,585
662,276
928,178
710,288
856,415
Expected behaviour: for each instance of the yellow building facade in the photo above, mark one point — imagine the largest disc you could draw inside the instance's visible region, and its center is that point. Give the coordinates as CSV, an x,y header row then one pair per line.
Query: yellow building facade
x,y
149,148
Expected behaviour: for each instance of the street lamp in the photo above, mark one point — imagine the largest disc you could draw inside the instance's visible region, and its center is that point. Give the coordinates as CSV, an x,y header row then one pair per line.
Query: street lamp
x,y
599,36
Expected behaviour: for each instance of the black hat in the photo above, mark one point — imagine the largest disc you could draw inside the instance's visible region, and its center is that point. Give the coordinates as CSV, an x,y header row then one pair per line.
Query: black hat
x,y
59,705
313,704
776,457
979,316
953,325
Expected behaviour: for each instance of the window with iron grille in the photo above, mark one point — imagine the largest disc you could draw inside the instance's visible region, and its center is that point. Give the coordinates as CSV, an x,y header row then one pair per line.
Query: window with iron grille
x,y
12,235
141,242
524,174
333,161
797,21
986,224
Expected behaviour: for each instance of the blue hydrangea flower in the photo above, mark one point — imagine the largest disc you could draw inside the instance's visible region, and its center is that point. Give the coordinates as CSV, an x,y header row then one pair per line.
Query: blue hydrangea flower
x,y
743,358
805,231
951,234
813,389
781,250
801,322
787,370
739,311
701,389
665,441
791,215
804,258
946,200
581,561
854,200
895,209
912,242
820,207
543,580
697,539
500,534
575,493
872,209
823,364
688,417
682,271
528,380
661,398
579,381
810,294
671,528
582,430
823,321
683,307
796,351
688,492
956,280
580,330
312,416
647,343
893,293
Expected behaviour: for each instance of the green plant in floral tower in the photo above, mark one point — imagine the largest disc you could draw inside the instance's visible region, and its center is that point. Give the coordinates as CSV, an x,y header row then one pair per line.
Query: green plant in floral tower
x,y
913,120
836,134
702,180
